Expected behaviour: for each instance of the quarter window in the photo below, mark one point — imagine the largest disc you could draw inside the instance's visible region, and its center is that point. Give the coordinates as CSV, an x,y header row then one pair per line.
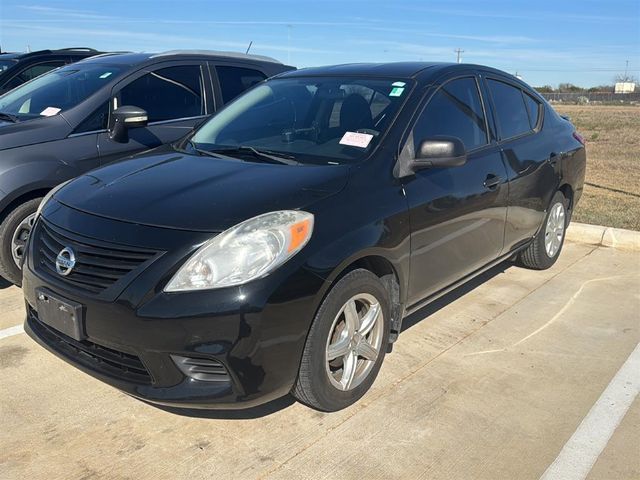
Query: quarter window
x,y
167,94
235,80
96,121
510,108
455,110
533,106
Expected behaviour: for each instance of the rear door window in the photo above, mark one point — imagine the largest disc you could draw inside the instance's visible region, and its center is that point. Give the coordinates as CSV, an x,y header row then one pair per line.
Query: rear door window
x,y
168,93
235,80
455,110
511,111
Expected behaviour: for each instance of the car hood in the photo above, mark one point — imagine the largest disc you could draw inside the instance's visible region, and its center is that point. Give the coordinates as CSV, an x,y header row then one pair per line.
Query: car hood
x,y
174,189
28,132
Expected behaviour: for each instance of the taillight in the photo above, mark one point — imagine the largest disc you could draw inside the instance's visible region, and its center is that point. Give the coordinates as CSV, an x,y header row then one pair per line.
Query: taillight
x,y
579,138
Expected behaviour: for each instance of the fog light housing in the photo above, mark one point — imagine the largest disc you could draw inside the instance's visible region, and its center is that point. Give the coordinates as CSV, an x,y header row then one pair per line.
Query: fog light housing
x,y
202,369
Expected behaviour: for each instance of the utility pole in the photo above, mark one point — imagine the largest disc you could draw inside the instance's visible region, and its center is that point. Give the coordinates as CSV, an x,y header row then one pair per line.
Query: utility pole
x,y
626,70
458,52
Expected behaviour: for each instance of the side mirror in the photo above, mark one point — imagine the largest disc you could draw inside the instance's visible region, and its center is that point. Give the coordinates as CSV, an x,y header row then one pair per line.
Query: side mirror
x,y
440,151
124,118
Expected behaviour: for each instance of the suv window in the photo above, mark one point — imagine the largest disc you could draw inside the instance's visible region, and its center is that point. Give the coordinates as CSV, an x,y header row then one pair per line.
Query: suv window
x,y
32,72
511,112
534,110
235,80
454,110
168,93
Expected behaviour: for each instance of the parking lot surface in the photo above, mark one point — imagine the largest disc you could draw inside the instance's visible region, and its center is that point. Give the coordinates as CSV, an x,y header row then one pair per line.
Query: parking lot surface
x,y
490,382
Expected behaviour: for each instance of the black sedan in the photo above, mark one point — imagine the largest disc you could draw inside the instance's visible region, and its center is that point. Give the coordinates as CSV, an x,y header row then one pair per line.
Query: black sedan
x,y
278,248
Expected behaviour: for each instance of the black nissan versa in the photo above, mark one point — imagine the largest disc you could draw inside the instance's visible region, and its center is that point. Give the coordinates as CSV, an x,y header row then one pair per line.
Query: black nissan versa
x,y
76,118
278,248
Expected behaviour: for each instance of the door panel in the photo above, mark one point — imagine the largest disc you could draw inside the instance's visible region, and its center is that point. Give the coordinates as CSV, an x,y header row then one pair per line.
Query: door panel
x,y
457,214
527,155
457,223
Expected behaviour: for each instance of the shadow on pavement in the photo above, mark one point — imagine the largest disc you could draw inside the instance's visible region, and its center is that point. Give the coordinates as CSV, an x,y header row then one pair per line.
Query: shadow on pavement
x,y
453,295
244,414
4,283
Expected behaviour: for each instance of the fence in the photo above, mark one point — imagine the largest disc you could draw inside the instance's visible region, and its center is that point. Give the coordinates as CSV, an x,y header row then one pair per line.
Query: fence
x,y
593,97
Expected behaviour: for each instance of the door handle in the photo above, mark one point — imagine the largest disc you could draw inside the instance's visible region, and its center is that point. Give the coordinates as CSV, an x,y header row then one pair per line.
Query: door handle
x,y
492,181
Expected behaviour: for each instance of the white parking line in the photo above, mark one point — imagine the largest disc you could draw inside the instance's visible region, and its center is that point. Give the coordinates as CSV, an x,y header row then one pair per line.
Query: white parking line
x,y
11,331
579,454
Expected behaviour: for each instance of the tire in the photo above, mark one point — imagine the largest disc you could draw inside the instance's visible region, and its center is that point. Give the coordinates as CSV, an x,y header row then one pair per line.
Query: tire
x,y
9,227
538,256
325,385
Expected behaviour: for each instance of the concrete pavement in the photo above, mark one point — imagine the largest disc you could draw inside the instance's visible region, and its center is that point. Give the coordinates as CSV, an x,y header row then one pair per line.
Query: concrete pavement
x,y
489,382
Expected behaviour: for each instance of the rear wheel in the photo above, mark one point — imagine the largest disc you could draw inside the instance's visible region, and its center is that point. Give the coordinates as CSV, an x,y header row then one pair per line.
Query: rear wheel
x,y
14,233
545,247
346,344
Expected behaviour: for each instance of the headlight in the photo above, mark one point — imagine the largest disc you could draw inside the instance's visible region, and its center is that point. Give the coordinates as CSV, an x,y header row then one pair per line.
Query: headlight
x,y
250,250
48,196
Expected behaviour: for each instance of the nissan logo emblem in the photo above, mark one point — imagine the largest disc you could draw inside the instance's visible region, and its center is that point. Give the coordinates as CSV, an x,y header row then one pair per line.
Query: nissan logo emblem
x,y
65,261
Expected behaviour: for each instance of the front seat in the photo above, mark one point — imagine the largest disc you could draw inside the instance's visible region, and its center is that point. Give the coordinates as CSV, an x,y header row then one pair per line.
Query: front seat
x,y
355,114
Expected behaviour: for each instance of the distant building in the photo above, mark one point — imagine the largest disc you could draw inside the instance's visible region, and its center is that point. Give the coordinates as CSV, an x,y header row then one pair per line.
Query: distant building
x,y
625,87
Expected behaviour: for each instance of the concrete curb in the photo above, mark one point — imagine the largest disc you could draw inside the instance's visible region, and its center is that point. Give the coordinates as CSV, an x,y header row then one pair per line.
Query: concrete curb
x,y
604,236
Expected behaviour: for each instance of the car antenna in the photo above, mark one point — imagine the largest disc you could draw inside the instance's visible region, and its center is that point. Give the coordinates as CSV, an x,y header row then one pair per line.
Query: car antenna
x,y
249,47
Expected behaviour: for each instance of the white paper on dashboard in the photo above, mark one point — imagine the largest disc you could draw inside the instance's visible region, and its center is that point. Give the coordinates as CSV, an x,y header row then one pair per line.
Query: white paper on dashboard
x,y
355,139
49,111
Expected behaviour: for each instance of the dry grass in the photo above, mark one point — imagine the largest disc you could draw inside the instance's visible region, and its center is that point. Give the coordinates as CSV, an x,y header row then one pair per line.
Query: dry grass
x,y
613,163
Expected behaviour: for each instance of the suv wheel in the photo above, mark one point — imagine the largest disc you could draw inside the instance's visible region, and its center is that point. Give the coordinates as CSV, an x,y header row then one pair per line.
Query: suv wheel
x,y
346,345
14,233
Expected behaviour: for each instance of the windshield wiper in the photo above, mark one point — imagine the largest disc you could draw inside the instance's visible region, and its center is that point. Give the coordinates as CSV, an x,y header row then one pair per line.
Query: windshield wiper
x,y
272,157
8,116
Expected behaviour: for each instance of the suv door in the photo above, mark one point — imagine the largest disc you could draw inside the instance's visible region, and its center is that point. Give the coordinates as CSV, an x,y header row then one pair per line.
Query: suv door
x,y
530,163
176,98
457,214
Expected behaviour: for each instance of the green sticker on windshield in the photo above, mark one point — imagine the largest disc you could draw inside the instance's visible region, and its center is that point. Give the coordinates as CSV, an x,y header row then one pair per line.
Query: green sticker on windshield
x,y
106,75
396,91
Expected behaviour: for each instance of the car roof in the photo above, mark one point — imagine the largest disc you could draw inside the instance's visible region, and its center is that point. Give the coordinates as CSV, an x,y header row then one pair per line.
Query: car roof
x,y
73,51
421,71
392,70
144,57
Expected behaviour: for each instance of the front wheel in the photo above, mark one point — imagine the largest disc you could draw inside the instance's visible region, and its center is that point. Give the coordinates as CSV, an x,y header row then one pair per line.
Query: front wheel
x,y
14,233
545,247
346,343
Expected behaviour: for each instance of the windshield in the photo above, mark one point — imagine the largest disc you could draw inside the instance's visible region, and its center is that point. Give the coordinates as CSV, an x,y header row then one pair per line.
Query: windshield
x,y
4,64
56,91
313,119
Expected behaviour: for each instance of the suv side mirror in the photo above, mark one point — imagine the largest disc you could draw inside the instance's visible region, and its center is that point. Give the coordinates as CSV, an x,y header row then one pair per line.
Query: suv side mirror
x,y
124,118
440,151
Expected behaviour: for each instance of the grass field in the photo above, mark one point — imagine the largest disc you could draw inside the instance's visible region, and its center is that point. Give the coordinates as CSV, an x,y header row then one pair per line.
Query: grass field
x,y
612,190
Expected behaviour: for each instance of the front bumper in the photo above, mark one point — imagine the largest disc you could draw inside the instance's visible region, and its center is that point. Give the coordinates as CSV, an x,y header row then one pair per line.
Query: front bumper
x,y
255,334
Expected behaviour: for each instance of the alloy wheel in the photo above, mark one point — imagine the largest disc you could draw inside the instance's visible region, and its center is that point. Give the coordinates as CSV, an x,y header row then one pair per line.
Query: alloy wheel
x,y
20,237
554,231
355,341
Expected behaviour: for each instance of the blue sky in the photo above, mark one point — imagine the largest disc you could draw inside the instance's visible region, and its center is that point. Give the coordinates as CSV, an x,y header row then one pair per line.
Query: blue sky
x,y
547,42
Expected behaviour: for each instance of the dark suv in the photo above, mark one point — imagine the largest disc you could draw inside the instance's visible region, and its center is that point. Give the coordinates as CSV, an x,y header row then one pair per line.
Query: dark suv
x,y
82,116
19,68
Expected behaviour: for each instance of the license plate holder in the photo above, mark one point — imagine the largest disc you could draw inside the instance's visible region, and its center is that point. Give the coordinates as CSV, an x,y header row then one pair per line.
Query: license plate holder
x,y
60,314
